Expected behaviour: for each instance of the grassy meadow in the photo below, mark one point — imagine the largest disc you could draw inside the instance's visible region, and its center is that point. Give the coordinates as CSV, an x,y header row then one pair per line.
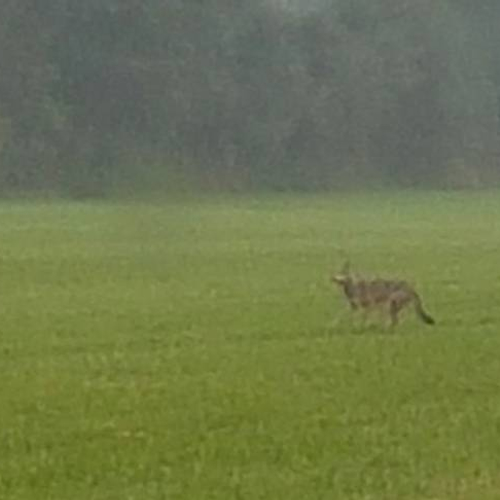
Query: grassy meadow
x,y
195,349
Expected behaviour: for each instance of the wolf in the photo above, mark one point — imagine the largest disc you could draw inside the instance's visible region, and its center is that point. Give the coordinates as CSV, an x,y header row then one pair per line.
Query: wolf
x,y
394,295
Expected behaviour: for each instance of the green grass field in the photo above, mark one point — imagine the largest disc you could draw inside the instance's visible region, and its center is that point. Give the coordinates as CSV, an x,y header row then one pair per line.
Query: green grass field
x,y
196,350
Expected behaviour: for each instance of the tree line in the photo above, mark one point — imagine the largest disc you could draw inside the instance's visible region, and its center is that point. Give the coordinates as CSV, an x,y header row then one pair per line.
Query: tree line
x,y
107,95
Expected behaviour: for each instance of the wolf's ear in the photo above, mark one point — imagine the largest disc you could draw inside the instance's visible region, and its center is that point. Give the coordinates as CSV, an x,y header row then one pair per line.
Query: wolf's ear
x,y
346,267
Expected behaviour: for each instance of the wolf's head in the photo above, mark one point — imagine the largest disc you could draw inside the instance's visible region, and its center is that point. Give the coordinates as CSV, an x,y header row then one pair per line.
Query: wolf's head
x,y
344,275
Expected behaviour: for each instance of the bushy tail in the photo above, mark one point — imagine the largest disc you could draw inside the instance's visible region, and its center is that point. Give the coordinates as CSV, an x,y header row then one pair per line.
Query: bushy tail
x,y
419,309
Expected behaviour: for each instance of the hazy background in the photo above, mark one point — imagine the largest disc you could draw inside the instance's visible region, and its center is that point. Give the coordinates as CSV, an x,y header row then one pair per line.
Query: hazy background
x,y
101,97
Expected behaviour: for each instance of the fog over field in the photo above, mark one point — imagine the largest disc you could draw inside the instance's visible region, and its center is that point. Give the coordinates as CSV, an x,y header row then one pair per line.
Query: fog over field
x,y
120,97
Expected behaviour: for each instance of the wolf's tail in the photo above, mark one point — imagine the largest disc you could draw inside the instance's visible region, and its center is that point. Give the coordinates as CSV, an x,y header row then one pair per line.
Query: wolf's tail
x,y
419,309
